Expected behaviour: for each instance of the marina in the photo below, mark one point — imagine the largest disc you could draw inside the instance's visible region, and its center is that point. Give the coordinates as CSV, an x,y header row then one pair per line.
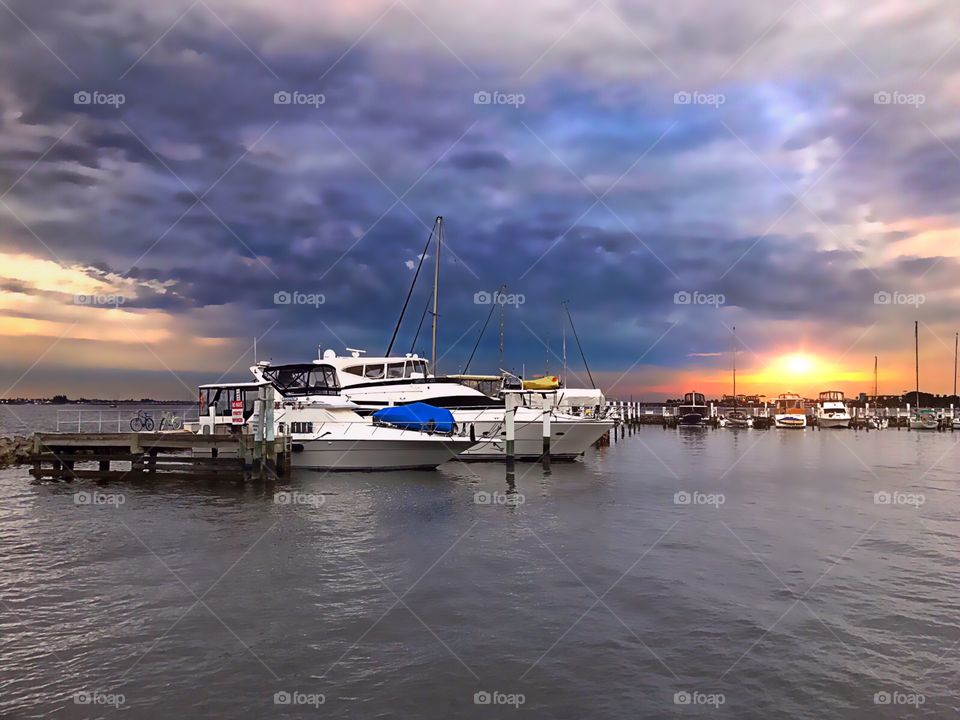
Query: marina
x,y
412,359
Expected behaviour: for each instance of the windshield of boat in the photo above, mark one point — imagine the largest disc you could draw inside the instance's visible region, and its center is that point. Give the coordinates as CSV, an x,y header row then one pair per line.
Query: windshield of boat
x,y
303,379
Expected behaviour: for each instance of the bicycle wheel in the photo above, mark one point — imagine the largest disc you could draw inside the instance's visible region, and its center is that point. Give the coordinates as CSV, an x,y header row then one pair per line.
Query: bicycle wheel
x,y
136,424
148,424
176,422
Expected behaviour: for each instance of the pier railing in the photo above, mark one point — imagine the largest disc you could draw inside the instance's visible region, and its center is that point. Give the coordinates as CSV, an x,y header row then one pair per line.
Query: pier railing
x,y
110,420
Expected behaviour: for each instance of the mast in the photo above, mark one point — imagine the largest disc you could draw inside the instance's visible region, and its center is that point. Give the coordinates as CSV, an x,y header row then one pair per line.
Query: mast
x,y
734,365
503,309
876,390
436,293
956,348
579,346
563,327
916,355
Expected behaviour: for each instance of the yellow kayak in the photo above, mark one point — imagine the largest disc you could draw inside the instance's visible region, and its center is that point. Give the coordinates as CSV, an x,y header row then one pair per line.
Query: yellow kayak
x,y
547,382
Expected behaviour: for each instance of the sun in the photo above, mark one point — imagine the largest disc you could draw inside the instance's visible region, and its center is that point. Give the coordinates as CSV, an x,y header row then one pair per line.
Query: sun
x,y
799,365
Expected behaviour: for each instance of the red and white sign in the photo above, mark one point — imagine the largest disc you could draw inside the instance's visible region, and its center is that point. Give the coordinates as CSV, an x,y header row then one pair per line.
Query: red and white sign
x,y
236,406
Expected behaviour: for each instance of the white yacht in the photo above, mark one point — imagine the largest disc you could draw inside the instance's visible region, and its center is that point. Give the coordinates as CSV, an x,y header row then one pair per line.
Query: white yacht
x,y
832,410
373,383
925,419
789,412
326,431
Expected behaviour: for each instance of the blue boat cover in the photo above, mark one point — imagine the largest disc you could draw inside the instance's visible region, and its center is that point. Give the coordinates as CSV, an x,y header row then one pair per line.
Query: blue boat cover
x,y
417,416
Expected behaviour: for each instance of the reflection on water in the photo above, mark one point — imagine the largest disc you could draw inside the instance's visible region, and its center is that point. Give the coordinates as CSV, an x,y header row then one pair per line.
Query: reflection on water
x,y
826,576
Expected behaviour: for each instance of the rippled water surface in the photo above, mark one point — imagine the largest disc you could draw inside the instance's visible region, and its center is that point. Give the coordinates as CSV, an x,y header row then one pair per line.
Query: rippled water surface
x,y
808,572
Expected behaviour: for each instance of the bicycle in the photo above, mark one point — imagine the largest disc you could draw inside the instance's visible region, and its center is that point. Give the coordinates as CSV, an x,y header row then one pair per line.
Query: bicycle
x,y
170,421
143,421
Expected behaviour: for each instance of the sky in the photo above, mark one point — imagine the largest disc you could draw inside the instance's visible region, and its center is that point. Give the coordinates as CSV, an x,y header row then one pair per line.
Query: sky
x,y
179,178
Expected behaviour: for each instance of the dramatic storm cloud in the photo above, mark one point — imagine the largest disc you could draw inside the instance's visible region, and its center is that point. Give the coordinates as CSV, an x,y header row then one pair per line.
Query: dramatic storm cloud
x,y
171,174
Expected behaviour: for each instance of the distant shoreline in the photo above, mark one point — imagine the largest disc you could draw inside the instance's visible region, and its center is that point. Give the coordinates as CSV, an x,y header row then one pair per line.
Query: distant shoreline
x,y
94,401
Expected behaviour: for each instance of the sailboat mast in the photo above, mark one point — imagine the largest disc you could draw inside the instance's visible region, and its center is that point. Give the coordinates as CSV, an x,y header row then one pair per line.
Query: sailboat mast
x,y
436,293
956,348
916,355
734,365
876,386
503,309
563,327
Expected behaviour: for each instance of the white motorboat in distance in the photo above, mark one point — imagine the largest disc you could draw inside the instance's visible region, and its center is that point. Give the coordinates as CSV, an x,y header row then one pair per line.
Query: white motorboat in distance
x,y
924,420
832,410
789,412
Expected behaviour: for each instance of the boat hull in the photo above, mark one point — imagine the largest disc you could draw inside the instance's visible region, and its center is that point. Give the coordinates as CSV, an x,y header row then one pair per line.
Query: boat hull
x,y
790,421
570,437
835,422
336,454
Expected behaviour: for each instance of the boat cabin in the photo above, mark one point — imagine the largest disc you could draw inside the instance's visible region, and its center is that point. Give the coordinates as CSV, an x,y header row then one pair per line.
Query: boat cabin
x,y
226,407
831,396
790,404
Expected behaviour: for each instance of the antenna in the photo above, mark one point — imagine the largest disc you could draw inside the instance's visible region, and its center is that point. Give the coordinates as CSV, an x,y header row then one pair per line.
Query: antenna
x,y
956,348
254,350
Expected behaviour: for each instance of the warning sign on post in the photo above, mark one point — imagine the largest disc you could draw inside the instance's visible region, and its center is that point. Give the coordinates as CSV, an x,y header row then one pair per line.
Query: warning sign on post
x,y
236,407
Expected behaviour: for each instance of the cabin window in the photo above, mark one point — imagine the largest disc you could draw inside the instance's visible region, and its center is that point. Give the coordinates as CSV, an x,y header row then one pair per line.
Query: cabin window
x,y
373,372
301,428
355,370
394,371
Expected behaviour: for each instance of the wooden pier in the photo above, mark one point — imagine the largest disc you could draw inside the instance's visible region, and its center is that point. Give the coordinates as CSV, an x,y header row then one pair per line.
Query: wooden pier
x,y
170,455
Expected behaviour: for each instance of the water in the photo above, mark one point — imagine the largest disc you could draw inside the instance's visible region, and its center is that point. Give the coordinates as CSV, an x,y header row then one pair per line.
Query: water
x,y
794,594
